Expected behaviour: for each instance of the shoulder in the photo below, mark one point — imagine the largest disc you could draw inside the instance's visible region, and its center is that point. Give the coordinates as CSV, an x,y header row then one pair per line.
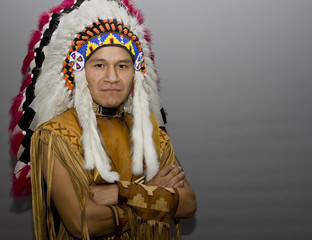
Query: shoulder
x,y
68,118
160,136
66,126
163,138
160,132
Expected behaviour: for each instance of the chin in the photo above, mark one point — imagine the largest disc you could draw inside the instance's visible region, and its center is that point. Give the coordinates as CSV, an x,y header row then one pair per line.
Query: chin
x,y
110,105
110,102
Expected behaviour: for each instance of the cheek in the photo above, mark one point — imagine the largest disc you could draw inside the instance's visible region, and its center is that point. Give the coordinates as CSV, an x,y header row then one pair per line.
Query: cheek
x,y
91,80
129,83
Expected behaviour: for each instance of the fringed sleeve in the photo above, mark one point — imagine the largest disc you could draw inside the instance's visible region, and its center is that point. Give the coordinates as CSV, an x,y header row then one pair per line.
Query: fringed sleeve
x,y
168,157
46,146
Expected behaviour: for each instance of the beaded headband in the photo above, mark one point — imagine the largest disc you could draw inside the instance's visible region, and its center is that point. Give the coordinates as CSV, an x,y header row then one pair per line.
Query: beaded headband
x,y
78,58
99,34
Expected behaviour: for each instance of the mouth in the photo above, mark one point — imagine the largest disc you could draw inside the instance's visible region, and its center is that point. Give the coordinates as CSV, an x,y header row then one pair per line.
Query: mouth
x,y
111,90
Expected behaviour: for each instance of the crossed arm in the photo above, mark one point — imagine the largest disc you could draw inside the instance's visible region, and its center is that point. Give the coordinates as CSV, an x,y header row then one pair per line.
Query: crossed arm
x,y
169,176
100,217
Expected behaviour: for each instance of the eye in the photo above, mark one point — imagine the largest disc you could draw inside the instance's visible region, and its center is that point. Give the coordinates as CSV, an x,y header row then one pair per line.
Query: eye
x,y
99,65
122,66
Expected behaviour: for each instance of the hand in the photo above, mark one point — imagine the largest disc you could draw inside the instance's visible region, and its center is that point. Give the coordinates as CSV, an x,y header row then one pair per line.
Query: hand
x,y
169,176
106,194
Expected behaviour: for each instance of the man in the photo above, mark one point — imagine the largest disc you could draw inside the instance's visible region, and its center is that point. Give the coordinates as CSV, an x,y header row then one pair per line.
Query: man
x,y
101,164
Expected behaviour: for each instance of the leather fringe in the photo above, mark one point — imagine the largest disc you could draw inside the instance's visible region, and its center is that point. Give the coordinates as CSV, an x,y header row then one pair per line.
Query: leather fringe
x,y
148,229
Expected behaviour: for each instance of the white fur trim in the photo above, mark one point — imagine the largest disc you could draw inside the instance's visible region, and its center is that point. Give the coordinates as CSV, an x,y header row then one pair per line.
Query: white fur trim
x,y
142,132
139,99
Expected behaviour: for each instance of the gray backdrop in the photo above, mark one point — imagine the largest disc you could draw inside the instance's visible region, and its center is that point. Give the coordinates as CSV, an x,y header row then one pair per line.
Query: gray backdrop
x,y
236,82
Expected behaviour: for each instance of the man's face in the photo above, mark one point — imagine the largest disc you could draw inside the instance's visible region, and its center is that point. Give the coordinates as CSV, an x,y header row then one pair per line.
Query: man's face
x,y
109,73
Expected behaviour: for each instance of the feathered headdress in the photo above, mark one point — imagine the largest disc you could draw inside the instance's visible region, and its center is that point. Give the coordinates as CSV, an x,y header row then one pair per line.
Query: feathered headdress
x,y
54,81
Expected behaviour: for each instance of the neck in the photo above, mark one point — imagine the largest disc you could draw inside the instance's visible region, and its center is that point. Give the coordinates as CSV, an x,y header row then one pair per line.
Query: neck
x,y
108,112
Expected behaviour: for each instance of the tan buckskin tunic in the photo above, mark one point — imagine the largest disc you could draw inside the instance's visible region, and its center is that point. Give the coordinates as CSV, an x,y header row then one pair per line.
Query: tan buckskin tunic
x,y
61,136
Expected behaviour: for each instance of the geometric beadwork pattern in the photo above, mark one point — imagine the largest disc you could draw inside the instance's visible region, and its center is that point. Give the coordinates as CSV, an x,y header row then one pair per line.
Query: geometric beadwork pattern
x,y
160,205
137,201
149,189
68,135
149,202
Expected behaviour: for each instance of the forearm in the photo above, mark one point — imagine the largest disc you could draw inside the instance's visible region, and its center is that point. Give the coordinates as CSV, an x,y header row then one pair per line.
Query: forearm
x,y
106,194
100,219
173,177
187,203
186,206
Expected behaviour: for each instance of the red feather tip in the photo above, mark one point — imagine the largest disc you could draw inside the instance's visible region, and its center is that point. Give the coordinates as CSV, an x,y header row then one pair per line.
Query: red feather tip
x,y
43,20
147,35
15,119
16,141
63,5
21,185
30,56
35,37
14,112
152,56
139,15
26,82
135,12
129,5
17,101
126,2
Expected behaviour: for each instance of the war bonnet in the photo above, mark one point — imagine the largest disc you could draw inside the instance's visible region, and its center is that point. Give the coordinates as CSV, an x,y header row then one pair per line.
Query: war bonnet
x,y
54,81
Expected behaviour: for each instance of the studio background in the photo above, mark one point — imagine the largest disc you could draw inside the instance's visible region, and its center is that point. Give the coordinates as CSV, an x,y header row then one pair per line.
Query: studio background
x,y
236,81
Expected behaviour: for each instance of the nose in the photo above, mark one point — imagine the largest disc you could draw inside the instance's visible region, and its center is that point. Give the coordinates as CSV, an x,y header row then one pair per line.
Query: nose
x,y
111,75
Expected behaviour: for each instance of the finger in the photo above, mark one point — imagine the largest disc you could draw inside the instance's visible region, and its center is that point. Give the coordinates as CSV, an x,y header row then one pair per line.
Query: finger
x,y
161,177
177,178
179,184
173,173
164,176
166,170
